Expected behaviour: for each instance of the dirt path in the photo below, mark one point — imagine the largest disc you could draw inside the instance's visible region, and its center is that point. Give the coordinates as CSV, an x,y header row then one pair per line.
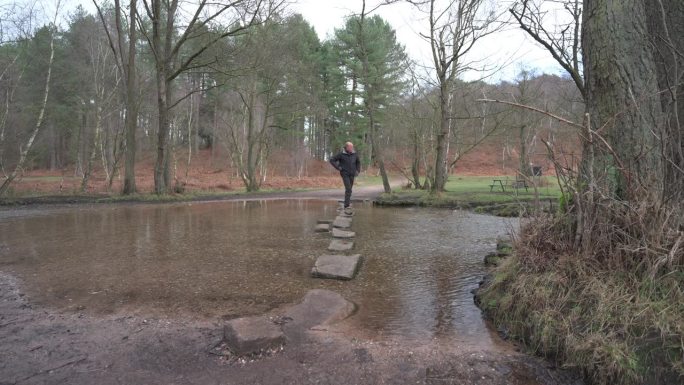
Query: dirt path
x,y
40,346
361,193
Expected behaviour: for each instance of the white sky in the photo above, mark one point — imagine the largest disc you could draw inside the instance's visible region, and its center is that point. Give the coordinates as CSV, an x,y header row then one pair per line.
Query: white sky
x,y
509,50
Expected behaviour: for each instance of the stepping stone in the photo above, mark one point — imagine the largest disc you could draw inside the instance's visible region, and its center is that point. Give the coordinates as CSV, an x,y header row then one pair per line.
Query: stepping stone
x,y
251,335
340,245
337,233
322,228
342,267
319,307
324,221
342,222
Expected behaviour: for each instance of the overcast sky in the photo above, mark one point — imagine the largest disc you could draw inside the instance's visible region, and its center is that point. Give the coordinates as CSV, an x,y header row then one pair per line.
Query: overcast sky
x,y
509,50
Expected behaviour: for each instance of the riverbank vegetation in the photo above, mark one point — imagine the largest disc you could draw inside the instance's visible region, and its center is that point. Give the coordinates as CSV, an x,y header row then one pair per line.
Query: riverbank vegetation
x,y
600,285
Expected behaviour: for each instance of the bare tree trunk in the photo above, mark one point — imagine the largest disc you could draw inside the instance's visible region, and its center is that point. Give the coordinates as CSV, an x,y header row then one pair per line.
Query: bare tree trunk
x,y
666,27
442,136
162,35
131,120
93,150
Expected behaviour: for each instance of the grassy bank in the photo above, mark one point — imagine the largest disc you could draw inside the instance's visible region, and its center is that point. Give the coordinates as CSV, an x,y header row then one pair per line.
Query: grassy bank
x,y
474,192
617,325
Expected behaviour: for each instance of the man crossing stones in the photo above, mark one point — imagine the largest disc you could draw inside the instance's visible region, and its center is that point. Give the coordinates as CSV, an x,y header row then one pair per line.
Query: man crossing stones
x,y
348,164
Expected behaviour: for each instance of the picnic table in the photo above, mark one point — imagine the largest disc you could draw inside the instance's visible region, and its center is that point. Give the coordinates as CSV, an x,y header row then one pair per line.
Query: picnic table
x,y
508,183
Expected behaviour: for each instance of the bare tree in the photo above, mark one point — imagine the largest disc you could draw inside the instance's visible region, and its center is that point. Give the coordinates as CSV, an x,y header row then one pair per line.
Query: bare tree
x,y
168,39
102,69
455,27
562,41
26,148
126,62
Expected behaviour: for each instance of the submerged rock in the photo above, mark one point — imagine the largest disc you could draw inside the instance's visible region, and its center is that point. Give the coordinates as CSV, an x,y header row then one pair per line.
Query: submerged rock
x,y
322,228
342,267
251,335
340,245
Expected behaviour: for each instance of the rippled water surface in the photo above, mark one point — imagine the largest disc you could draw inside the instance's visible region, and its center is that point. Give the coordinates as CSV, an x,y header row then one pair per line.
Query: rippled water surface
x,y
225,259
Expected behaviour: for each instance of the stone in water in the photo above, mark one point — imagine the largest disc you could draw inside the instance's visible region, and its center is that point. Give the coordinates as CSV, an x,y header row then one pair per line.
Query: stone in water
x,y
322,228
250,335
337,233
319,307
340,245
342,222
336,266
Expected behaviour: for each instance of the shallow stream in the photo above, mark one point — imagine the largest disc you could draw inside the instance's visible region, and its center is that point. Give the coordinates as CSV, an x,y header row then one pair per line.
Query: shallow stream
x,y
229,259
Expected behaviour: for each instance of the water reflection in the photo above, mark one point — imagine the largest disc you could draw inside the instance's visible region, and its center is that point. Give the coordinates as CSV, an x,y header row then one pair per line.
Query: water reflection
x,y
224,259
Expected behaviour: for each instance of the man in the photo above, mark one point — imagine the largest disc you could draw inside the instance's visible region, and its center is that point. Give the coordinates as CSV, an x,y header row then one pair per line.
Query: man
x,y
348,164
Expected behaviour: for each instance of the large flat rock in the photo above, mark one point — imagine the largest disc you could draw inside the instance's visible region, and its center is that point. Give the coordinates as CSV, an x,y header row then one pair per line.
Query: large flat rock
x,y
340,245
338,233
250,335
342,222
324,221
319,307
322,228
342,267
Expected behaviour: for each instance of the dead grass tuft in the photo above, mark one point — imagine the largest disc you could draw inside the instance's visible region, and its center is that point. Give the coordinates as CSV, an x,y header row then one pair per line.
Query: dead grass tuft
x,y
614,310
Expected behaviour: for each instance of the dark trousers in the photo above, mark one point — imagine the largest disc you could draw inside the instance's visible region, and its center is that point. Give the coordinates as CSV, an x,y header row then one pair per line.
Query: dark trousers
x,y
348,184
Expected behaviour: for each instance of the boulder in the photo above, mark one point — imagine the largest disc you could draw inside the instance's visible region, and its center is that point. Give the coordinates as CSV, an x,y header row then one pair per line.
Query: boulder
x,y
340,245
251,335
342,267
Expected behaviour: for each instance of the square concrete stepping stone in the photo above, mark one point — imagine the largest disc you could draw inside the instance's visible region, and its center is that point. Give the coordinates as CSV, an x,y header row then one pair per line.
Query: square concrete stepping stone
x,y
338,233
342,267
342,222
251,335
322,228
340,245
319,307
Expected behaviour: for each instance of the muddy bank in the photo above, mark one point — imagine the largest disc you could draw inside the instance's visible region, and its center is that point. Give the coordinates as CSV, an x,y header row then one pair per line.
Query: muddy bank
x,y
41,346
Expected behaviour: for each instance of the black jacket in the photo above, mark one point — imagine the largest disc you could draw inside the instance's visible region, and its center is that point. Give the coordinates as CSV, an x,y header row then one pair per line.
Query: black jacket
x,y
346,163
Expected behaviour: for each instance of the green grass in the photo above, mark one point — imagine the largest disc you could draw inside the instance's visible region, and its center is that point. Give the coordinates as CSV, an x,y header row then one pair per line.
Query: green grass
x,y
473,191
